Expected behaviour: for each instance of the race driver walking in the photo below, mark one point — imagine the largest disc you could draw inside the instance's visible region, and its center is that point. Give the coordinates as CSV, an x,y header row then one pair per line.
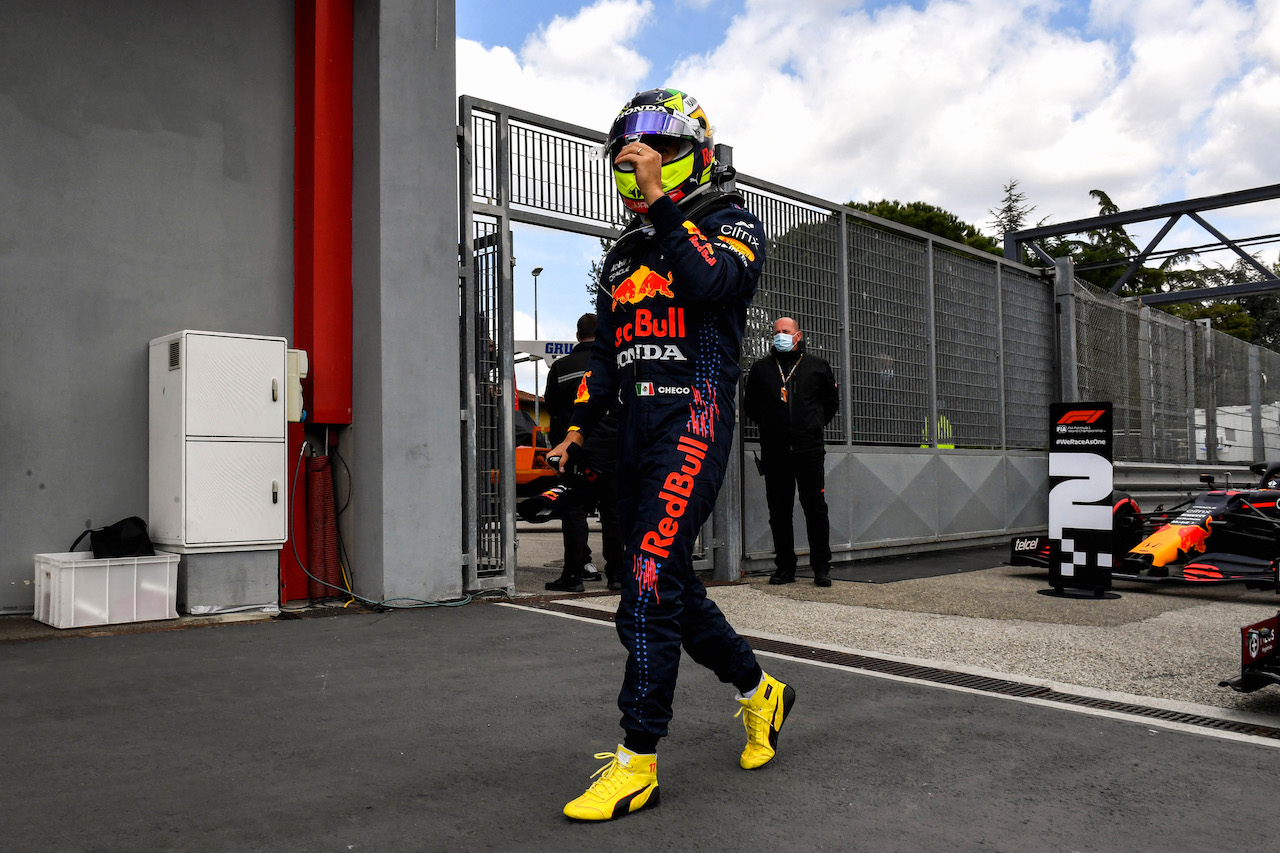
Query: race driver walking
x,y
672,311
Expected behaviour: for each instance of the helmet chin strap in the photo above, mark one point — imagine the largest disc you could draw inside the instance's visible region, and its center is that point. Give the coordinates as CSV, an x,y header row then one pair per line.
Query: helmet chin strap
x,y
689,196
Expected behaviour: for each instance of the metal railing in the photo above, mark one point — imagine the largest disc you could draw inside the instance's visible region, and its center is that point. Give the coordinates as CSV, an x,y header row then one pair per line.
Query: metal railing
x,y
934,345
1182,392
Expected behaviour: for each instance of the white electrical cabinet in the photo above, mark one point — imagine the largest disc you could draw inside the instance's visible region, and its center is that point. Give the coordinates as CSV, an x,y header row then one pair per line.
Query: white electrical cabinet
x,y
217,442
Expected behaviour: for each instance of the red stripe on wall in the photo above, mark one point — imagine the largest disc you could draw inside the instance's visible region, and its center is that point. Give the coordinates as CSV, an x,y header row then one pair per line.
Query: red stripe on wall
x,y
322,238
322,206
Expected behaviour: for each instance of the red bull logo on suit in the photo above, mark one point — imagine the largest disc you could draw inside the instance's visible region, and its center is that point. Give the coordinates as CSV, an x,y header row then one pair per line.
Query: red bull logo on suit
x,y
642,284
676,489
651,325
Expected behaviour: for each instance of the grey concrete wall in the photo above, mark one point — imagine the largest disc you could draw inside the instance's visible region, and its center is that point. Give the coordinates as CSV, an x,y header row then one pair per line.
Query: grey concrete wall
x,y
887,500
406,496
146,181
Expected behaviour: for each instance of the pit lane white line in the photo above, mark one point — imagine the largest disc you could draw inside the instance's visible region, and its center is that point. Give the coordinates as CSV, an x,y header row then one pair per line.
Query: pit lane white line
x,y
1076,690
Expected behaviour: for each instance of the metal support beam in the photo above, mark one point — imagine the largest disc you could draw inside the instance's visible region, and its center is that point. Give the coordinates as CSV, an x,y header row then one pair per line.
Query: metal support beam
x,y
1226,291
1249,259
1065,308
1255,405
1144,214
1018,242
1145,253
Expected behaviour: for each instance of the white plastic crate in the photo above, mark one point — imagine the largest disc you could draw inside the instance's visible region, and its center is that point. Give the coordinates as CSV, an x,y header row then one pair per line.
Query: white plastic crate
x,y
74,590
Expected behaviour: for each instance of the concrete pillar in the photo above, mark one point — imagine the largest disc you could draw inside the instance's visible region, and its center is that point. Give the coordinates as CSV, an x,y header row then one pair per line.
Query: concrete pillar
x,y
405,422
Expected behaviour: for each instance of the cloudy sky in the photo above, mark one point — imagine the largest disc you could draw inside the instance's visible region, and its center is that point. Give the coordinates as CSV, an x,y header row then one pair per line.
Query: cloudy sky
x,y
942,101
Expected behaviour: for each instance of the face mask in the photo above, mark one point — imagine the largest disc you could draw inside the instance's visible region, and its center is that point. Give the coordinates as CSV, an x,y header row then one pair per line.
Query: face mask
x,y
782,342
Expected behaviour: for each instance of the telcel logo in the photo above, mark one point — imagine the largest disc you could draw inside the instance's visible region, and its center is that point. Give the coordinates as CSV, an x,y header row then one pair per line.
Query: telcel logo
x,y
1025,544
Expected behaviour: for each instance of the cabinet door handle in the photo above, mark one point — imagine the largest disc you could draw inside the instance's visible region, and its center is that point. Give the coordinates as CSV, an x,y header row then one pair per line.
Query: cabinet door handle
x,y
275,390
275,491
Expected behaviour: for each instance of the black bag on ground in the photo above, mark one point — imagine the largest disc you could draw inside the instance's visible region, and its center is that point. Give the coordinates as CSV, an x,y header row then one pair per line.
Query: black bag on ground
x,y
126,538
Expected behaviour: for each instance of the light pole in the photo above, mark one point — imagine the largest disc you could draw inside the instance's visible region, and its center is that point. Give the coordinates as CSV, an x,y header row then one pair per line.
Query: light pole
x,y
537,423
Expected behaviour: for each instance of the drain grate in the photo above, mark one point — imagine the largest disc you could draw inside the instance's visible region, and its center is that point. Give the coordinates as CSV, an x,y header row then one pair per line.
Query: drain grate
x,y
984,684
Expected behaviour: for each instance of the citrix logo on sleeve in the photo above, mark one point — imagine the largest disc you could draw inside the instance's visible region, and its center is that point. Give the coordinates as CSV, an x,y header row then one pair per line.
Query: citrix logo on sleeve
x,y
739,238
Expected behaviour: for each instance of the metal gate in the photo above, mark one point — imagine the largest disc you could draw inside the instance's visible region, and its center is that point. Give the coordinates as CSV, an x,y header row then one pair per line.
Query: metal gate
x,y
513,167
918,331
863,289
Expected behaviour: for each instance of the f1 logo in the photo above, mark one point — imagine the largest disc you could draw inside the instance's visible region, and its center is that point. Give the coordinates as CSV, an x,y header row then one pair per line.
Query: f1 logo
x,y
1081,416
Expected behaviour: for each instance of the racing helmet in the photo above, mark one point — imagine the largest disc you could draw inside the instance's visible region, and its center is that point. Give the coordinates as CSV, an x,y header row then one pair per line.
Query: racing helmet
x,y
672,114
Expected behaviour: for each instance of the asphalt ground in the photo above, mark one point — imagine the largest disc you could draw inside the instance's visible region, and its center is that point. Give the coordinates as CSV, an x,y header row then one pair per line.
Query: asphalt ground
x,y
469,728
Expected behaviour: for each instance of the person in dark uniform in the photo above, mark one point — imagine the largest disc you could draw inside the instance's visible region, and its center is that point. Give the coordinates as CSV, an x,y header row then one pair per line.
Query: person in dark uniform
x,y
672,310
791,394
598,457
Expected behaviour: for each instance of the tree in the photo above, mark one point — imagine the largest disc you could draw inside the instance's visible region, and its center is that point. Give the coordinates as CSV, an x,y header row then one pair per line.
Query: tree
x,y
1227,317
1102,257
595,278
1012,213
1265,311
1251,318
934,220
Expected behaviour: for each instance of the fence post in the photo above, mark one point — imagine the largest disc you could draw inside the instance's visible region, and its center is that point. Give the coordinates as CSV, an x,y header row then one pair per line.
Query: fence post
x,y
1146,388
1001,363
846,323
1255,404
726,516
1189,332
505,270
467,284
1209,376
1064,296
931,426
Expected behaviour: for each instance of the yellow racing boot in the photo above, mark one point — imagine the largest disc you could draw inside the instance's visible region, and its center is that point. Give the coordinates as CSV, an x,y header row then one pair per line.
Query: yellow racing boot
x,y
628,783
763,715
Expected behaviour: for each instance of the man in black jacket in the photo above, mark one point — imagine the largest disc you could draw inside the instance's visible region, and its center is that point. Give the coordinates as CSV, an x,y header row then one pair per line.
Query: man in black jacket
x,y
792,395
599,456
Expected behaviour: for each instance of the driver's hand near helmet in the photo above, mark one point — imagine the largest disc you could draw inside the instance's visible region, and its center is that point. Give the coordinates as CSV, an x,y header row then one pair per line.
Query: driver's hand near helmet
x,y
646,157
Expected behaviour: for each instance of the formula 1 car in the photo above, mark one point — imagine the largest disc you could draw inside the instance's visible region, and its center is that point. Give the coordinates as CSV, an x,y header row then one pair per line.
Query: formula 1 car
x,y
1259,665
1128,525
1220,536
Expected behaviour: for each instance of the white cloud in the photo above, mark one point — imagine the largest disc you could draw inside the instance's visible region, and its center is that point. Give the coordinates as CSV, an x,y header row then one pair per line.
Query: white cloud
x,y
576,69
1149,100
946,103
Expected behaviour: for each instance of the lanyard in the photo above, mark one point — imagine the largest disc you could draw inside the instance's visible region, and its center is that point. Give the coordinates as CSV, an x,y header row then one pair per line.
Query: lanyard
x,y
787,378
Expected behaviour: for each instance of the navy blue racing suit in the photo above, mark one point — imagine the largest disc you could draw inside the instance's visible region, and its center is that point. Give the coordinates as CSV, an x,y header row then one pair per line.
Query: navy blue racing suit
x,y
670,331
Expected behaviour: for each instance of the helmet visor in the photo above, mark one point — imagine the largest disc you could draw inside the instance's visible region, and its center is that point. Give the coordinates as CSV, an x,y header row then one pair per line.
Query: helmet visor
x,y
653,122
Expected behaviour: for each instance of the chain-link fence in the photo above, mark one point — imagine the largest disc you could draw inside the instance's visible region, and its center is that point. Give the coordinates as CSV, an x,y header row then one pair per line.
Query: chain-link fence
x,y
915,328
1027,326
1182,392
934,345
